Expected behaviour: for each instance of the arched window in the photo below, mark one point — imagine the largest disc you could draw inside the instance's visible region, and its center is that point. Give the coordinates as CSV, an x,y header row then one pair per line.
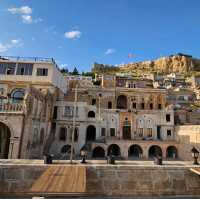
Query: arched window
x,y
91,133
17,95
91,114
109,105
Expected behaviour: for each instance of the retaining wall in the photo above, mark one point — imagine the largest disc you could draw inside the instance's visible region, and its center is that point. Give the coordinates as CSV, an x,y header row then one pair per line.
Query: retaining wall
x,y
98,180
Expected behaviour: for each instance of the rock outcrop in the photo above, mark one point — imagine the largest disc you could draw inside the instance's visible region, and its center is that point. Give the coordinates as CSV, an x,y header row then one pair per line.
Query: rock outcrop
x,y
179,63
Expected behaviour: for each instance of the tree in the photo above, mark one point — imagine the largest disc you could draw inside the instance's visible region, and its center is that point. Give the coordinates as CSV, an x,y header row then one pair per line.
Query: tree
x,y
75,71
64,70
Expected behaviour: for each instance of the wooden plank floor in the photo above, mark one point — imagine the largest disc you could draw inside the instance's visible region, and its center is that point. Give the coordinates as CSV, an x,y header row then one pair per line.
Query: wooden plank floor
x,y
195,170
61,179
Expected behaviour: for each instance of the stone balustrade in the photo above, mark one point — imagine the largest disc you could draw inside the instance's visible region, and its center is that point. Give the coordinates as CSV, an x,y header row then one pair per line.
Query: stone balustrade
x,y
11,107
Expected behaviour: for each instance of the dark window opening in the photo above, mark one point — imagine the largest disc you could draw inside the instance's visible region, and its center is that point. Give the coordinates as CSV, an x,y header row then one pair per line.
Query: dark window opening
x,y
151,106
91,114
103,131
168,117
55,112
109,105
142,105
134,105
42,72
93,101
169,133
159,106
63,132
112,132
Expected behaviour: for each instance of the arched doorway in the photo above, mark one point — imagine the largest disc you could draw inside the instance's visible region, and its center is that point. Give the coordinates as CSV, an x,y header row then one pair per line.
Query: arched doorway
x,y
114,149
4,141
155,151
91,133
98,152
66,149
127,130
171,152
135,151
122,102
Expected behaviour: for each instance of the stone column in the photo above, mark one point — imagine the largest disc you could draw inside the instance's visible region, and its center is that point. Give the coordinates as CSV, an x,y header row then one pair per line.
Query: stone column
x,y
14,148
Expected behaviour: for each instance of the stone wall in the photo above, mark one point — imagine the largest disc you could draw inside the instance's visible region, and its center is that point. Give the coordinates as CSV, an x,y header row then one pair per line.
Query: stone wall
x,y
105,180
187,136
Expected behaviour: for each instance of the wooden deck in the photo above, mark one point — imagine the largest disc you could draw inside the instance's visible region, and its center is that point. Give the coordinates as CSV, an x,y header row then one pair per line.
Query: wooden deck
x,y
61,179
195,170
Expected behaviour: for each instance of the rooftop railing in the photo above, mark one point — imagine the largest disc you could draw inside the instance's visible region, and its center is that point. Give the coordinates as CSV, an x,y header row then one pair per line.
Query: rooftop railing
x,y
31,59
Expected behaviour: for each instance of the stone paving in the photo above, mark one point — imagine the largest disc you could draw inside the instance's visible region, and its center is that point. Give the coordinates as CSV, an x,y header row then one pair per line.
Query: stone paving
x,y
96,162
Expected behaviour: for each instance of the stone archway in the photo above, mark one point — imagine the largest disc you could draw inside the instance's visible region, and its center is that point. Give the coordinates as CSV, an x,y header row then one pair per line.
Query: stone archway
x,y
98,152
122,102
135,151
171,152
155,151
114,149
5,135
91,133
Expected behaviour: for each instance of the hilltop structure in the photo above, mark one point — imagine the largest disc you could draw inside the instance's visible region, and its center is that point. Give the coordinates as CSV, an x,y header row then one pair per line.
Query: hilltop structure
x,y
135,117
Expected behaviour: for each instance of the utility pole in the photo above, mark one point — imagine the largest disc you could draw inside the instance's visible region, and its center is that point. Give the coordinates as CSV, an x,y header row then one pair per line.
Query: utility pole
x,y
100,114
74,124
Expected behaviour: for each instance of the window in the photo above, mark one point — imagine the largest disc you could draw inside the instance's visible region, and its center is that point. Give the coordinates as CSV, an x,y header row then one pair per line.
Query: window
x,y
169,133
69,111
103,131
112,132
93,101
17,95
63,134
76,134
140,132
109,105
168,117
42,72
159,106
134,105
24,69
142,105
7,68
149,132
151,106
91,114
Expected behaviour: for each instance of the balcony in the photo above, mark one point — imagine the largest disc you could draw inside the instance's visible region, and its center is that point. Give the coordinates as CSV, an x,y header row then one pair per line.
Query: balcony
x,y
11,108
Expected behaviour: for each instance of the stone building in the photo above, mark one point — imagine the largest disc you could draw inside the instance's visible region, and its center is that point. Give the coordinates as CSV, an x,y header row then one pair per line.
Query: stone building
x,y
28,89
124,115
131,122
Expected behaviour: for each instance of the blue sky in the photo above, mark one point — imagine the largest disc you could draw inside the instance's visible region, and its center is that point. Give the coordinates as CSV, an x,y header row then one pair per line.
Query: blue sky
x,y
80,32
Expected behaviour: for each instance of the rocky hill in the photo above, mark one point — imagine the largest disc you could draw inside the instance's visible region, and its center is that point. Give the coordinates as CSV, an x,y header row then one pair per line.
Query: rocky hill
x,y
179,63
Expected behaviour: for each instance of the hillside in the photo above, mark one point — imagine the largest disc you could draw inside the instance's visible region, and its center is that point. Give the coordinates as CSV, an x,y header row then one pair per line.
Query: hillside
x,y
179,63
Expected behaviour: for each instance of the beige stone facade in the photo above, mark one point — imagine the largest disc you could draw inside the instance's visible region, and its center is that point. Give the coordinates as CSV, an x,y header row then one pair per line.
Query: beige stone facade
x,y
123,116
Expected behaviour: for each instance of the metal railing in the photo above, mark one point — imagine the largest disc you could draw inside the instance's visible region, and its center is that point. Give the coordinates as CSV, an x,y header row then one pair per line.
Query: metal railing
x,y
32,59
